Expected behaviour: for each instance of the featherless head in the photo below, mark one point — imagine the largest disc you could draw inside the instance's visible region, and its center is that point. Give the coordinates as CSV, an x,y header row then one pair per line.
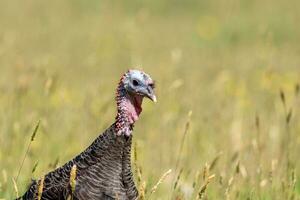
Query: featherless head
x,y
139,83
133,87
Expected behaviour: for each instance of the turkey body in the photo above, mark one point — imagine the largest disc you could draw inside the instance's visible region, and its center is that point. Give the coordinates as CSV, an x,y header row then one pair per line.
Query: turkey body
x,y
103,172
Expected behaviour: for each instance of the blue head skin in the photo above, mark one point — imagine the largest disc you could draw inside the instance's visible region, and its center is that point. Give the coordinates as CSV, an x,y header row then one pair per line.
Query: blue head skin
x,y
139,83
133,87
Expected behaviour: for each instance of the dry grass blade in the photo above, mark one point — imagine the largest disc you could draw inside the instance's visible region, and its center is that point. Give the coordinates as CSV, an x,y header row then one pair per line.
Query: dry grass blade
x,y
196,180
186,129
293,183
227,191
4,176
28,148
178,178
162,178
287,141
136,166
15,187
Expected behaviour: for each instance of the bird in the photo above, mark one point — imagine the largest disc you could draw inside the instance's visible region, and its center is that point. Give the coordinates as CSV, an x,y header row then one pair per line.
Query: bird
x,y
103,170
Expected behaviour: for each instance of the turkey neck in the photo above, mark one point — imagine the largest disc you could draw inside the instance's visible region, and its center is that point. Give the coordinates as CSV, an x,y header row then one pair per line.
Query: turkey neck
x,y
128,110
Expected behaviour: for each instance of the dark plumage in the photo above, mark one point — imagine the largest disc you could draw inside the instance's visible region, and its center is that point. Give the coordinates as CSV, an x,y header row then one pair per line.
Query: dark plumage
x,y
104,168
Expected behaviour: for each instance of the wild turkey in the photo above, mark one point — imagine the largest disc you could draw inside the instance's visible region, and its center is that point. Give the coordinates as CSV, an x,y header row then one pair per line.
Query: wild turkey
x,y
104,168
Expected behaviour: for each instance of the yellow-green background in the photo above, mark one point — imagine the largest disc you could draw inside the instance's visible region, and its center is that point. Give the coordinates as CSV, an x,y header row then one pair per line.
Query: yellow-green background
x,y
225,61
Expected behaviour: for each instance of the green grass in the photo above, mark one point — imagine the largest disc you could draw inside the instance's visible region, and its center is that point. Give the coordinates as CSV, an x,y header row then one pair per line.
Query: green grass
x,y
226,61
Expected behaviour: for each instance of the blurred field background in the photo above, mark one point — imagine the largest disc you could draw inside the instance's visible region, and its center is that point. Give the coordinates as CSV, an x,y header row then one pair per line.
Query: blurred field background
x,y
234,65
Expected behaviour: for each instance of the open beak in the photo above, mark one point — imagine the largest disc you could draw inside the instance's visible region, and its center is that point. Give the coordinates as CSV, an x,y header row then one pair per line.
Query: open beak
x,y
153,98
150,94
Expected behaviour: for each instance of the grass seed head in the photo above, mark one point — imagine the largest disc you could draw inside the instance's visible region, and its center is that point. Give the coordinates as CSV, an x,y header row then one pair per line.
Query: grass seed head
x,y
204,186
40,188
282,97
297,89
73,177
35,130
142,191
162,178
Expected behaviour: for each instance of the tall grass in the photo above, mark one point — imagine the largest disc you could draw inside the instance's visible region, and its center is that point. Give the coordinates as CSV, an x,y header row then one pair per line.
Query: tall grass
x,y
227,61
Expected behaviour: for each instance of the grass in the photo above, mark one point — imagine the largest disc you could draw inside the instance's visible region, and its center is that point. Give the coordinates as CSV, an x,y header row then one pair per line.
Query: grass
x,y
229,62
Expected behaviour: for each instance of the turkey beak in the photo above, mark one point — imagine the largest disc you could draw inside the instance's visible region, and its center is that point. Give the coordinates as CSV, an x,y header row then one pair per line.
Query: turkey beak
x,y
153,98
150,94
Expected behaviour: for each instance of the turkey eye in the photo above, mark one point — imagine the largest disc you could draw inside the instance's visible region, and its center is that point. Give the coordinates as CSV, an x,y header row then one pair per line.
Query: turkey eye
x,y
152,85
135,82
